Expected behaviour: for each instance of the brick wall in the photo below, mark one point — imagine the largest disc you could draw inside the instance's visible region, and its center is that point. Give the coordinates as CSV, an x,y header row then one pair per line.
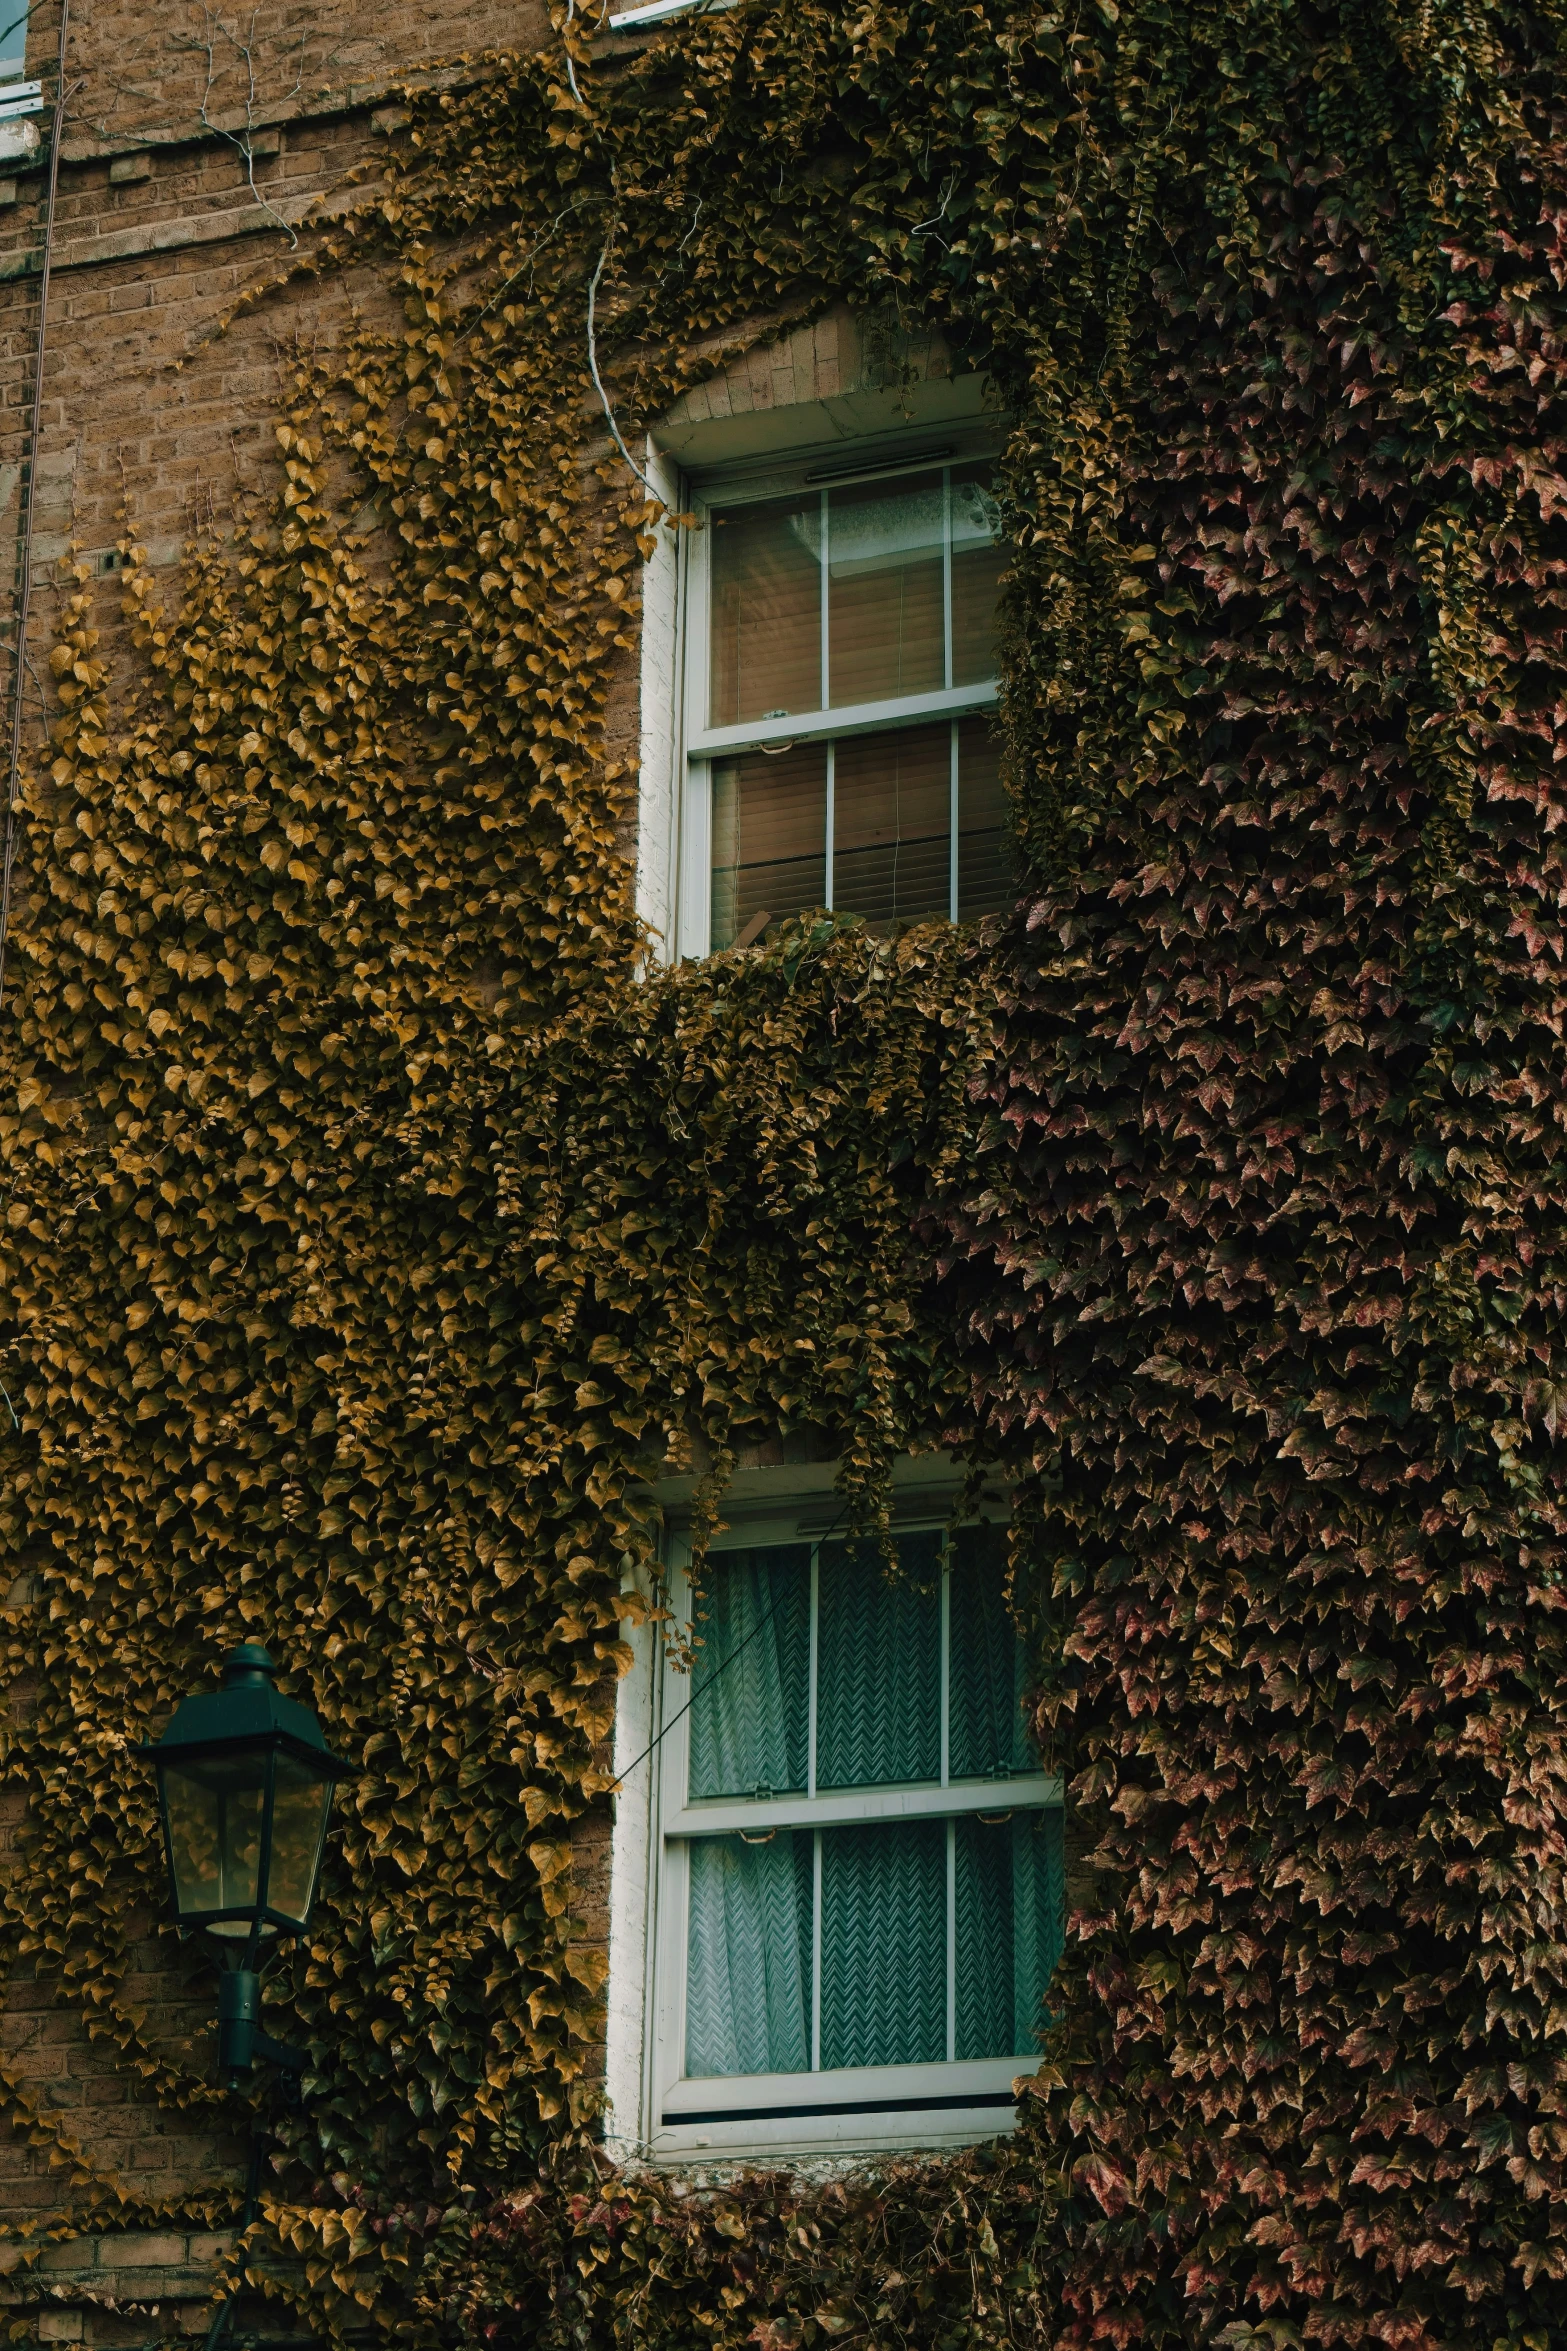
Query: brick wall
x,y
114,2291
101,2290
162,219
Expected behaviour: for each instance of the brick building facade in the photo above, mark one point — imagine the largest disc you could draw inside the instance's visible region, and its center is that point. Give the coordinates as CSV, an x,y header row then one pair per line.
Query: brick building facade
x,y
194,154
1214,1195
192,145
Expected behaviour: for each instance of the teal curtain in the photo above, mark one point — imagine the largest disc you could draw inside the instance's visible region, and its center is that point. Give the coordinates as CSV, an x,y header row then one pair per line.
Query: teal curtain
x,y
884,1944
748,1976
986,1732
1038,1919
878,1668
751,1686
1009,1889
883,1920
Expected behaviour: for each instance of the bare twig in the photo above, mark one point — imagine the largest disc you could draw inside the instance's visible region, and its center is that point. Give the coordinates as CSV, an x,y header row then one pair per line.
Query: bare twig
x,y
527,263
923,227
244,140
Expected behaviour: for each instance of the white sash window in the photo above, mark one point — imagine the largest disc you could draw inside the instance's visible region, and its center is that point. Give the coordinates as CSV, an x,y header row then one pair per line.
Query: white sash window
x,y
858,1866
840,693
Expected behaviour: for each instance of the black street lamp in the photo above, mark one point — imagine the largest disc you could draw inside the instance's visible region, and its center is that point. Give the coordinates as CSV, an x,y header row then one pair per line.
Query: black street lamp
x,y
245,1787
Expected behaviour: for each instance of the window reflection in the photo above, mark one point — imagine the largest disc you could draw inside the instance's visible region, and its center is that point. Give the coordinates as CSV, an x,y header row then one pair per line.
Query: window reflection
x,y
886,591
766,589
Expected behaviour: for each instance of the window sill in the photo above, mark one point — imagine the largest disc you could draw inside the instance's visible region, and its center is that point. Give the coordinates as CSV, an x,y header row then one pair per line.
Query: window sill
x,y
862,2109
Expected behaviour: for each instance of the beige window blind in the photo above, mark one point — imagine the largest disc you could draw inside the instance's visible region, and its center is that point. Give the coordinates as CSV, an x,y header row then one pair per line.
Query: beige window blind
x,y
871,597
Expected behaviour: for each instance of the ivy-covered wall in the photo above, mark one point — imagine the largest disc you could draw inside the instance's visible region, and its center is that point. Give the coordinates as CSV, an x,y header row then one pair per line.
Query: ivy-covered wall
x,y
374,1231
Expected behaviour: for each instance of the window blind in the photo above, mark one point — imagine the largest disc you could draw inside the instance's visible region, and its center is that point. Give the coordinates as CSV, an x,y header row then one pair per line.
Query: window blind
x,y
832,599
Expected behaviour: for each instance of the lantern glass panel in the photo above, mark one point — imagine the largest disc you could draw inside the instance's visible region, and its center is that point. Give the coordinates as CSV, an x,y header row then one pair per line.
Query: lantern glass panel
x,y
300,1804
214,1805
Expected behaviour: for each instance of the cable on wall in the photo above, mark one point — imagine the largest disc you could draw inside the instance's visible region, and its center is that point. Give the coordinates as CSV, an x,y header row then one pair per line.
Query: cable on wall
x,y
24,589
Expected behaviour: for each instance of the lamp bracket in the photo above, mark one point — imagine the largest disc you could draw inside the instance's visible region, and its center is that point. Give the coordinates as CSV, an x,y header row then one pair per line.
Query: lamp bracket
x,y
280,2053
240,2037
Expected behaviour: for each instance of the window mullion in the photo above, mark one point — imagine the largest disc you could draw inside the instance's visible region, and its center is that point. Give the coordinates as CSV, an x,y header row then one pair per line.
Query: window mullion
x,y
952,1940
946,575
946,1667
854,718
850,1807
832,820
810,1671
816,1951
826,579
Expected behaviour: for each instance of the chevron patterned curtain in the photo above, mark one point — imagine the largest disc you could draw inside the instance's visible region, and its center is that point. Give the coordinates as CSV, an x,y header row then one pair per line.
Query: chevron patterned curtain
x,y
1008,1885
748,1982
989,1668
750,1692
1038,1920
884,1944
888,1942
878,1700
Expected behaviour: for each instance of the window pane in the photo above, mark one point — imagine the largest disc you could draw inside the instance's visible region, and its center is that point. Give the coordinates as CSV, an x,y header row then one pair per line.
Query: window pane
x,y
884,1944
301,1804
885,594
878,1666
986,865
769,837
986,1732
892,820
748,1982
215,1805
750,1686
978,559
766,626
1009,1919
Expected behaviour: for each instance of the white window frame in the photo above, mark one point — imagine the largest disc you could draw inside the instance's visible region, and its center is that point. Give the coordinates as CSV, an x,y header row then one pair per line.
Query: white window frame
x,y
839,2112
660,713
653,12
701,744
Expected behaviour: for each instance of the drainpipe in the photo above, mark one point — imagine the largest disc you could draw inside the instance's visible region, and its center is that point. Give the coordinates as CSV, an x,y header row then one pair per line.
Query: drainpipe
x,y
24,589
